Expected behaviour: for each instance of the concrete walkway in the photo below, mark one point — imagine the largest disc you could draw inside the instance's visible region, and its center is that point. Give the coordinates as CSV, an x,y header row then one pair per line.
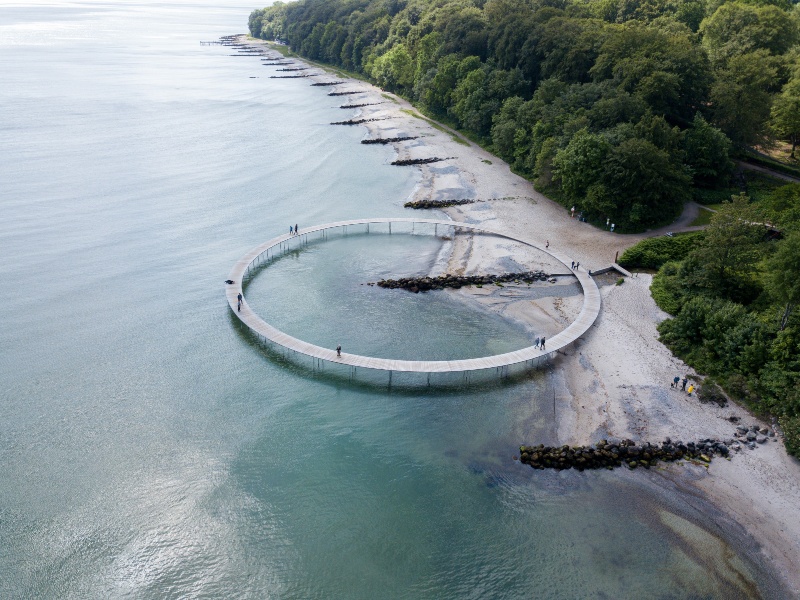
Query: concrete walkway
x,y
277,246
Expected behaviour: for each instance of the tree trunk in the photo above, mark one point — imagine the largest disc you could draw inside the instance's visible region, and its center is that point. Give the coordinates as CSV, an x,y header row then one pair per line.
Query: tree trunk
x,y
787,312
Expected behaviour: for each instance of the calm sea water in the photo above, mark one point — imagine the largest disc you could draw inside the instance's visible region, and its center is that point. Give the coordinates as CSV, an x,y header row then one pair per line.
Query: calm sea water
x,y
150,448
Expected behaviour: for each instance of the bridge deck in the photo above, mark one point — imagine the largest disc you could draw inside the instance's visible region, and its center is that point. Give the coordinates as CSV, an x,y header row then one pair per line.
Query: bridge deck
x,y
587,316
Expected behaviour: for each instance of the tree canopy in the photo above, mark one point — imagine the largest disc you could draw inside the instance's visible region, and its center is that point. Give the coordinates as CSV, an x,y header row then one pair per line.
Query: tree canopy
x,y
659,92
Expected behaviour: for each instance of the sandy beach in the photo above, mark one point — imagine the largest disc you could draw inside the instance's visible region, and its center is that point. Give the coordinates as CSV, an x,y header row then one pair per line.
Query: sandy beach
x,y
616,378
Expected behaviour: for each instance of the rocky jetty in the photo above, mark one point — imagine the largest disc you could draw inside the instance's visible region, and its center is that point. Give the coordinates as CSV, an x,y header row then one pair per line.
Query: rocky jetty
x,y
388,140
418,204
360,105
327,83
294,69
613,452
288,76
342,93
357,122
423,284
419,161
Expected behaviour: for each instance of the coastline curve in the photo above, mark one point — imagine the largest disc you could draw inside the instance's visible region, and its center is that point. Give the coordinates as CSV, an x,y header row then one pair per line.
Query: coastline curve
x,y
586,317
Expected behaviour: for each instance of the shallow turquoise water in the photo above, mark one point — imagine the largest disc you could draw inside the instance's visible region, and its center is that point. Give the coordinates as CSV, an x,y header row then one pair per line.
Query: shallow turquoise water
x,y
149,447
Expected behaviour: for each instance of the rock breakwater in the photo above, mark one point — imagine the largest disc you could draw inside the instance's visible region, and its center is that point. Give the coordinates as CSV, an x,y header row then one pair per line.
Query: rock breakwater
x,y
419,161
361,105
612,453
387,140
419,204
424,284
357,122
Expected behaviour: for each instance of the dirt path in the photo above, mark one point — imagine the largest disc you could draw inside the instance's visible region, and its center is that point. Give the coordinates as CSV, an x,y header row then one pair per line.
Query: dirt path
x,y
777,174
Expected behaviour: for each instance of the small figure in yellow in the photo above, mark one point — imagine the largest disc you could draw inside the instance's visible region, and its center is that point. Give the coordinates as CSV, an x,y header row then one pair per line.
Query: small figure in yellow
x,y
689,390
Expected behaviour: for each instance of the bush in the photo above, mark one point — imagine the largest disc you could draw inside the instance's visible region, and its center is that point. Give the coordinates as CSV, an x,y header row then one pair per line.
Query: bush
x,y
711,392
666,288
652,253
791,432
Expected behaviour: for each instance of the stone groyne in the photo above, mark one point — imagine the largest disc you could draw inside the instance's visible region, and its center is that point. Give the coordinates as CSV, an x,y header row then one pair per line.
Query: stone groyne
x,y
387,140
613,453
424,284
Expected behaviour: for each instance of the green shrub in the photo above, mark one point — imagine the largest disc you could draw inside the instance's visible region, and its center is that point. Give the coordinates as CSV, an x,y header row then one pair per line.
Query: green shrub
x,y
711,392
791,432
652,253
620,281
666,288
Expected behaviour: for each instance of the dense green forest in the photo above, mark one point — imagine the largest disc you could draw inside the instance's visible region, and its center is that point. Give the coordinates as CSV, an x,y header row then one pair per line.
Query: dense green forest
x,y
625,109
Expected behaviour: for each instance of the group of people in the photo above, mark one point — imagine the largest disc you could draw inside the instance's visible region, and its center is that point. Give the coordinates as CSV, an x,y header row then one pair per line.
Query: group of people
x,y
683,383
575,265
539,342
293,231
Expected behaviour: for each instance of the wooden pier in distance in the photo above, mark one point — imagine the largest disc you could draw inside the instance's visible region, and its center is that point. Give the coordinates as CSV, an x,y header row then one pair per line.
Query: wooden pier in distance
x,y
267,251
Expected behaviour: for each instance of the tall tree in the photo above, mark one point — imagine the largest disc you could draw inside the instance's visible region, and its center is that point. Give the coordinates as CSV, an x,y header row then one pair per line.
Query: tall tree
x,y
782,280
786,113
725,262
741,97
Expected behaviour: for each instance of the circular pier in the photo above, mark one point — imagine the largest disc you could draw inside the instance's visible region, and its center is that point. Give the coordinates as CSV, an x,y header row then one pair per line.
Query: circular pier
x,y
276,246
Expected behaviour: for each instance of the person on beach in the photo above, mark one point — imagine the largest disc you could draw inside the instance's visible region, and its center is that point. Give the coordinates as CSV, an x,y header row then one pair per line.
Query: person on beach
x,y
339,350
547,244
690,390
573,212
683,387
572,266
675,381
612,227
577,266
290,230
536,344
295,228
239,306
542,344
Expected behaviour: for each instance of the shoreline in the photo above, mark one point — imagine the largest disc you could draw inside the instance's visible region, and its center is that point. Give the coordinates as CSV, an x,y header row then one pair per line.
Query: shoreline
x,y
616,377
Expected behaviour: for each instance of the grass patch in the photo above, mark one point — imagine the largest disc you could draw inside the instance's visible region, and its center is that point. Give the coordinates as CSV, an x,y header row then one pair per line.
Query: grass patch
x,y
488,162
771,163
756,185
436,126
390,98
704,218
